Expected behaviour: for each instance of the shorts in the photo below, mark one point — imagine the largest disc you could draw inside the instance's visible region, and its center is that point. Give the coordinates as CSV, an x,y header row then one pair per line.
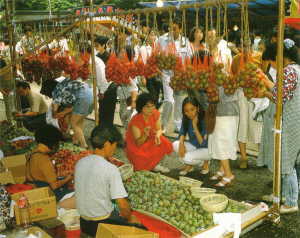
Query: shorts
x,y
84,102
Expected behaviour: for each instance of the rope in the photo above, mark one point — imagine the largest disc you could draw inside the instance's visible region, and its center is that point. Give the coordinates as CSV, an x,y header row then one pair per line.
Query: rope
x,y
183,27
197,16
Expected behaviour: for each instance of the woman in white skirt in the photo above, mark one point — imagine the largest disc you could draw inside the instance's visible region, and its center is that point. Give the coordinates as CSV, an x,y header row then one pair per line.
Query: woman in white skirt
x,y
222,143
194,151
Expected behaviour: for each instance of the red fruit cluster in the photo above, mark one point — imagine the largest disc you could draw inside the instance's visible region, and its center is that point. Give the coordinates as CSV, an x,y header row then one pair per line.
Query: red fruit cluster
x,y
116,70
65,161
251,80
151,69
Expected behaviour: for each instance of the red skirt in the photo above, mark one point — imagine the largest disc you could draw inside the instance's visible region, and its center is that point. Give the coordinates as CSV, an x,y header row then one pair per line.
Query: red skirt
x,y
148,155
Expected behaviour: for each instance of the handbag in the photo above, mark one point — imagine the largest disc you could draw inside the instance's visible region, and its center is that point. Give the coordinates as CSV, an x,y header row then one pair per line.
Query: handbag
x,y
210,118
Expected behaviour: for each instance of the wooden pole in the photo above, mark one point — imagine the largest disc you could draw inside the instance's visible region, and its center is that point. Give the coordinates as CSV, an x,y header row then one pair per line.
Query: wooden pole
x,y
94,76
277,147
9,8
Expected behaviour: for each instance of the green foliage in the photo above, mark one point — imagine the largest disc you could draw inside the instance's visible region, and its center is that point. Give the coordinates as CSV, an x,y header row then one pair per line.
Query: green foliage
x,y
56,5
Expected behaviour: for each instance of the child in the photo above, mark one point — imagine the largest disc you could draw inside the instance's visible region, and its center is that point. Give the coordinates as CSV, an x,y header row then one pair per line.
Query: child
x,y
195,150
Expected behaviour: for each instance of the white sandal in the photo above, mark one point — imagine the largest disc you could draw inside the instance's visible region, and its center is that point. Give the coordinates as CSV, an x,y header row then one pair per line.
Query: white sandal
x,y
225,182
217,176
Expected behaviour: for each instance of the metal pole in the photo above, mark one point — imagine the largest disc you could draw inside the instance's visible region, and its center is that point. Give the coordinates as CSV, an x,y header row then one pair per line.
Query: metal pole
x,y
94,78
277,147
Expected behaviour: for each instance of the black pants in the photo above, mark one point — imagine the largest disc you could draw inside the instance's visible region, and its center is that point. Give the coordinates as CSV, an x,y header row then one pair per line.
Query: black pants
x,y
107,106
154,87
90,227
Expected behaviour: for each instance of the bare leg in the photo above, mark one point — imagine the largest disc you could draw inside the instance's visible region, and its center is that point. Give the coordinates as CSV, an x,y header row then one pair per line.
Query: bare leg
x,y
244,159
226,167
77,125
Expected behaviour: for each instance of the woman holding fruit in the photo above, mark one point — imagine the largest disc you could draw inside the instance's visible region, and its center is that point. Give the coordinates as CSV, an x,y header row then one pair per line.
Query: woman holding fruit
x,y
40,170
195,150
290,134
145,144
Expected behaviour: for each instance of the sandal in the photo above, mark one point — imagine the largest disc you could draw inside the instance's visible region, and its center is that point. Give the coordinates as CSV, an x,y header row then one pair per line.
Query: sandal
x,y
185,172
217,176
204,171
225,182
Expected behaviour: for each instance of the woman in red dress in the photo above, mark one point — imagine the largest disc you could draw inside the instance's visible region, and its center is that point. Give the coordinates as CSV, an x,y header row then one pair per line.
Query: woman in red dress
x,y
145,145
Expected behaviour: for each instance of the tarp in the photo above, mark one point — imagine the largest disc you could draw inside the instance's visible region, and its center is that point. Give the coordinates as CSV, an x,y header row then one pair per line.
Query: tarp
x,y
259,7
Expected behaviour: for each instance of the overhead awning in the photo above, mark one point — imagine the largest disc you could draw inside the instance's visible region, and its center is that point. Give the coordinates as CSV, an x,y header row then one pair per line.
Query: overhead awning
x,y
258,7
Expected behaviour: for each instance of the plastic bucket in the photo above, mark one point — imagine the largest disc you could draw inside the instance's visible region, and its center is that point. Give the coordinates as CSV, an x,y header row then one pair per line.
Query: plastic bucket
x,y
73,232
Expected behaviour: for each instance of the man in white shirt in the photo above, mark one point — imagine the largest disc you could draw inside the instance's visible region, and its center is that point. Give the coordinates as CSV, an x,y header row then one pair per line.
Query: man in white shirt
x,y
98,182
173,100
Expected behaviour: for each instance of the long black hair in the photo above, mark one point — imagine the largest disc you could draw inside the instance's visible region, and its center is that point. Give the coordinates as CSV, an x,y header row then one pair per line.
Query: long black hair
x,y
185,119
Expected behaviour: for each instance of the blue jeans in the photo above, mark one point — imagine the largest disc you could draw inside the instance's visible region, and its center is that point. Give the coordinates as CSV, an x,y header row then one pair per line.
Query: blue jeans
x,y
290,188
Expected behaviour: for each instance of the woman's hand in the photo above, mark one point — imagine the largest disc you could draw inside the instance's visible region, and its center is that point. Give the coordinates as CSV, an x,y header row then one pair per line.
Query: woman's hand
x,y
147,131
182,150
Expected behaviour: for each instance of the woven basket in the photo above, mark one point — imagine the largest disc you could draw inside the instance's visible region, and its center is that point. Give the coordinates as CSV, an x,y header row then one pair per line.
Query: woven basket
x,y
126,171
202,192
190,182
214,203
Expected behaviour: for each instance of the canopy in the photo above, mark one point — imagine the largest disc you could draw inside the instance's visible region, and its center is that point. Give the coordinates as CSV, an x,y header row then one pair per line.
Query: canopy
x,y
259,7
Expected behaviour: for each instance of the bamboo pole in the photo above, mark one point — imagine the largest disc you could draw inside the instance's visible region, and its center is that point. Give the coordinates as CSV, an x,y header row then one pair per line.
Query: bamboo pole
x,y
152,10
277,147
12,50
94,75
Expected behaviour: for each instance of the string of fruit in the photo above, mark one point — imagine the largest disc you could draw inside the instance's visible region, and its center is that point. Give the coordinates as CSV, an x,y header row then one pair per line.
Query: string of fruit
x,y
116,72
151,70
166,61
167,199
251,80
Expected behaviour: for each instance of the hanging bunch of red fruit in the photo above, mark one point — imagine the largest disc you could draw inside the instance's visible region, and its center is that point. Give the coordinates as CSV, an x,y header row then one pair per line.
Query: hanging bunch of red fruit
x,y
251,79
212,92
115,71
32,68
151,70
179,77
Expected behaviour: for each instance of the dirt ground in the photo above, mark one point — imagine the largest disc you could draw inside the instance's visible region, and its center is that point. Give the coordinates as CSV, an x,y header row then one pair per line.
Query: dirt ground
x,y
249,185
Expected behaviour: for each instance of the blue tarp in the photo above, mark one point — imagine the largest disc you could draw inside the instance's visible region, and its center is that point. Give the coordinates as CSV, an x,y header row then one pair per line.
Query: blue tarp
x,y
259,7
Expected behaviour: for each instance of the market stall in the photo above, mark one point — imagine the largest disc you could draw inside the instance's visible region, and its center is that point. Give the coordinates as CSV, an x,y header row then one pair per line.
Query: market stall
x,y
184,205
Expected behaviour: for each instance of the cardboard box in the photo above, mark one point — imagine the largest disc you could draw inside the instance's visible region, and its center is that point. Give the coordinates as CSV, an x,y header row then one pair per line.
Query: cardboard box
x,y
16,166
114,231
42,203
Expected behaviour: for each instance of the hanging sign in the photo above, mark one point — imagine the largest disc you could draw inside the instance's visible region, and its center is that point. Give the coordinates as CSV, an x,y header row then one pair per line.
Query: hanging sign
x,y
294,19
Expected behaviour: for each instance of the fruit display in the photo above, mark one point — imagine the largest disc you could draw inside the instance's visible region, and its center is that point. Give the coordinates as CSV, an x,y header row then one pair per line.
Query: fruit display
x,y
9,131
212,92
166,61
71,147
217,71
230,85
151,70
251,80
65,161
115,70
236,207
168,199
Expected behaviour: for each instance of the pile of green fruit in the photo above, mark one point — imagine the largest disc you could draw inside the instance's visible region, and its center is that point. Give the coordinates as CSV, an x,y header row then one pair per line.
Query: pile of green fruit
x,y
235,207
9,131
69,146
168,199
